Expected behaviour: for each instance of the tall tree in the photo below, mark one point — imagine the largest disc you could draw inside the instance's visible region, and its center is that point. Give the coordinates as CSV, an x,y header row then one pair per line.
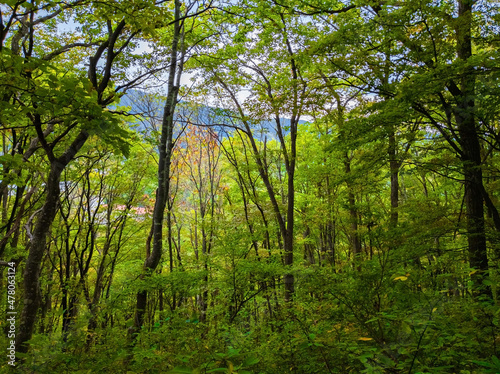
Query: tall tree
x,y
165,150
61,108
429,48
279,90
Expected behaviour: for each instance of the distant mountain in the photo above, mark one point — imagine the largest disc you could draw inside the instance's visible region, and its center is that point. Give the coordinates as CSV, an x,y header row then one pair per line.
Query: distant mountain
x,y
143,104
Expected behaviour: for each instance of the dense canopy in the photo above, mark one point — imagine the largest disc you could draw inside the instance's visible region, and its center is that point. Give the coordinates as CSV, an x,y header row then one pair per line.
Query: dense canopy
x,y
250,186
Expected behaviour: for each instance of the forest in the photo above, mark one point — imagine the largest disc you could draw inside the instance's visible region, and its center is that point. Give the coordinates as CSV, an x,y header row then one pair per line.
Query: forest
x,y
250,186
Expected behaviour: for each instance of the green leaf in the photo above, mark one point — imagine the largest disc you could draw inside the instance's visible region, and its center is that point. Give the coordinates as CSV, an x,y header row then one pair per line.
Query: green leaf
x,y
218,370
249,361
181,370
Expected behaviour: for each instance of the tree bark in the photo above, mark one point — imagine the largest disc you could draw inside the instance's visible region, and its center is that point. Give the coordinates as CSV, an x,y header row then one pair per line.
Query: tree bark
x,y
394,165
353,215
38,242
164,159
464,114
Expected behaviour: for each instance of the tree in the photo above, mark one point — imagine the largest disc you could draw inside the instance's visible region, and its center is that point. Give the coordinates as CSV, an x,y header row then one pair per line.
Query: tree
x,y
235,236
279,88
165,149
60,107
439,61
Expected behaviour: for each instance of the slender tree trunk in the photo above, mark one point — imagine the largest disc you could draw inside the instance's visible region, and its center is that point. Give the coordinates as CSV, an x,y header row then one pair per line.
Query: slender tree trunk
x,y
165,154
353,211
288,237
353,214
394,166
99,284
4,193
308,247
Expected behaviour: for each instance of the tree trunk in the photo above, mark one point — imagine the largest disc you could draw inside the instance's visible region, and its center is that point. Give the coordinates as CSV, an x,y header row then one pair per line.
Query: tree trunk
x,y
38,242
165,154
471,153
34,260
394,166
353,214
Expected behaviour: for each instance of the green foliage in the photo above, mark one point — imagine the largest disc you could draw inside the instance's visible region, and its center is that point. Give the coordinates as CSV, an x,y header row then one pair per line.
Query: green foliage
x,y
492,367
382,284
223,363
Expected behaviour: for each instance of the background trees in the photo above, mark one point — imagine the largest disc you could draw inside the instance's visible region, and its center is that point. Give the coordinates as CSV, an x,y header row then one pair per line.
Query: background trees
x,y
321,197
